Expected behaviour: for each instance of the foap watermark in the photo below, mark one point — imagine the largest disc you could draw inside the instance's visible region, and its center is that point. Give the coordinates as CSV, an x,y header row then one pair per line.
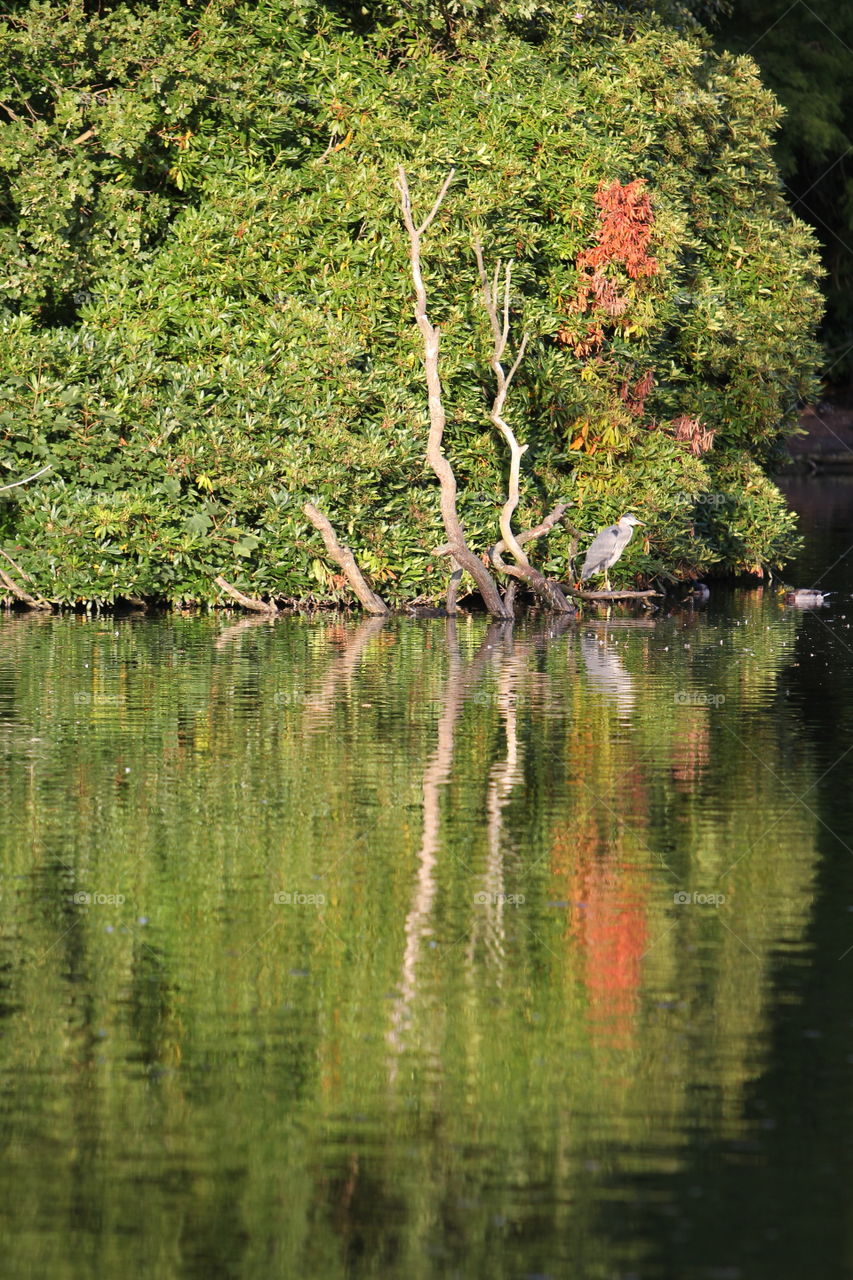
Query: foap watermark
x,y
84,899
83,699
290,698
696,899
299,899
499,899
491,698
693,698
713,499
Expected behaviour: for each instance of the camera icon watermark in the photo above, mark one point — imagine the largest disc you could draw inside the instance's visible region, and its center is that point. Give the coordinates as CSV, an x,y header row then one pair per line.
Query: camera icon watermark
x,y
684,899
693,698
499,899
299,899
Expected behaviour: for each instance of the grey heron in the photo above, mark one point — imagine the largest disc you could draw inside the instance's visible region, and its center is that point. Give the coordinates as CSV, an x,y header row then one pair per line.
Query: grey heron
x,y
607,546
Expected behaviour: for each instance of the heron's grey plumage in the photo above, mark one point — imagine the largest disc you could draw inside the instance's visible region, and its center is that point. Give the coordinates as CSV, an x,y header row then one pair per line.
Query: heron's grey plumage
x,y
607,546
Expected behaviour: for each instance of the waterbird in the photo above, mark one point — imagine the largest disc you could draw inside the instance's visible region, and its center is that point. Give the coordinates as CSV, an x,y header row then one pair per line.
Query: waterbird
x,y
806,598
607,546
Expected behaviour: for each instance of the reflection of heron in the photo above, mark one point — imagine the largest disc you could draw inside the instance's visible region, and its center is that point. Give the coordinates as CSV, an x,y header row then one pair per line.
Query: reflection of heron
x,y
606,672
607,547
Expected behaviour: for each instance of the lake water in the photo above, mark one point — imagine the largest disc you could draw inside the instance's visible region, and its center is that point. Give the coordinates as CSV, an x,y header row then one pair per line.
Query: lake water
x,y
331,948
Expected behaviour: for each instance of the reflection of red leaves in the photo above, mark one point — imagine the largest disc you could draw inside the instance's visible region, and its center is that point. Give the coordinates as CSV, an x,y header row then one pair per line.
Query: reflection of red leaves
x,y
690,754
611,925
691,432
608,923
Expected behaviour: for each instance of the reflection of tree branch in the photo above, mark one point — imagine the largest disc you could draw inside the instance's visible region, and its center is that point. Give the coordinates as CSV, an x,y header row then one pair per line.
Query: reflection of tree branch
x,y
340,672
504,776
459,684
228,634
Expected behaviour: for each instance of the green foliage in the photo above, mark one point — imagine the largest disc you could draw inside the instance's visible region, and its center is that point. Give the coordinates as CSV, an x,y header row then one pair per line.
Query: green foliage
x,y
210,320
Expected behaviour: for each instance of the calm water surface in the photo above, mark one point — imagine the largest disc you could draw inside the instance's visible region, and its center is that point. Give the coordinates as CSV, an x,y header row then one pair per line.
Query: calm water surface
x,y
333,948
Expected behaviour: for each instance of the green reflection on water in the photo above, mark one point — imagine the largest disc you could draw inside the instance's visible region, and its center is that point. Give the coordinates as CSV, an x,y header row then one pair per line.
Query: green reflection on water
x,y
354,948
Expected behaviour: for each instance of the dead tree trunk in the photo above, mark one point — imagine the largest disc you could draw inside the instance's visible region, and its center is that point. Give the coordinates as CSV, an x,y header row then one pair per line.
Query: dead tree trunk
x,y
462,554
547,590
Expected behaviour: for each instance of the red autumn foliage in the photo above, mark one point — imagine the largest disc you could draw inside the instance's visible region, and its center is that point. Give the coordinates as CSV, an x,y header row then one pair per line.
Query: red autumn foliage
x,y
691,432
635,397
626,227
626,220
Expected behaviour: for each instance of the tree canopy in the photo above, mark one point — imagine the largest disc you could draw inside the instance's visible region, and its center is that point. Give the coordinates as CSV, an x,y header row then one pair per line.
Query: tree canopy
x,y
206,309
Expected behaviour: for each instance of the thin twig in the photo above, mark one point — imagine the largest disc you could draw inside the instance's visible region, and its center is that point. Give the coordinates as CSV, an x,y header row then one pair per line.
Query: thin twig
x,y
35,476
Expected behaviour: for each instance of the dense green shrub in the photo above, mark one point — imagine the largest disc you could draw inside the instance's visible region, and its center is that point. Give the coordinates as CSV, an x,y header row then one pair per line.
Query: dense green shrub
x,y
208,307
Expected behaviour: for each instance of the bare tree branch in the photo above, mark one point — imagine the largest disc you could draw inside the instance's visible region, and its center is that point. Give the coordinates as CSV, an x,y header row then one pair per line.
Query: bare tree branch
x,y
248,602
547,590
20,594
346,561
435,454
15,565
438,200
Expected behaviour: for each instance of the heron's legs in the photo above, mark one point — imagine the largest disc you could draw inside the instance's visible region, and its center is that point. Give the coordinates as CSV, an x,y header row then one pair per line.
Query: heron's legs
x,y
607,586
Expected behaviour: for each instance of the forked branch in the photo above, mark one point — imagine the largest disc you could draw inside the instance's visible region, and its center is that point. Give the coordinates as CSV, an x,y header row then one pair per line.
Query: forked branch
x,y
462,554
549,591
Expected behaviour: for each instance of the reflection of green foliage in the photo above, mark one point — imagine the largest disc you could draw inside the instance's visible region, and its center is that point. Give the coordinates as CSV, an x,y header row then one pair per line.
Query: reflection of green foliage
x,y
208,314
274,1053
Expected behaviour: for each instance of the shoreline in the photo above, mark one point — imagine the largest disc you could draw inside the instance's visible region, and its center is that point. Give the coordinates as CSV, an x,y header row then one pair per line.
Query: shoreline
x,y
826,445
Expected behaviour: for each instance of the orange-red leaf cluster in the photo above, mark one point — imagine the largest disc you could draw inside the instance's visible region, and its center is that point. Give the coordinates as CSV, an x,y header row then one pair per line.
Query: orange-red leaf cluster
x,y
691,432
626,220
635,397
